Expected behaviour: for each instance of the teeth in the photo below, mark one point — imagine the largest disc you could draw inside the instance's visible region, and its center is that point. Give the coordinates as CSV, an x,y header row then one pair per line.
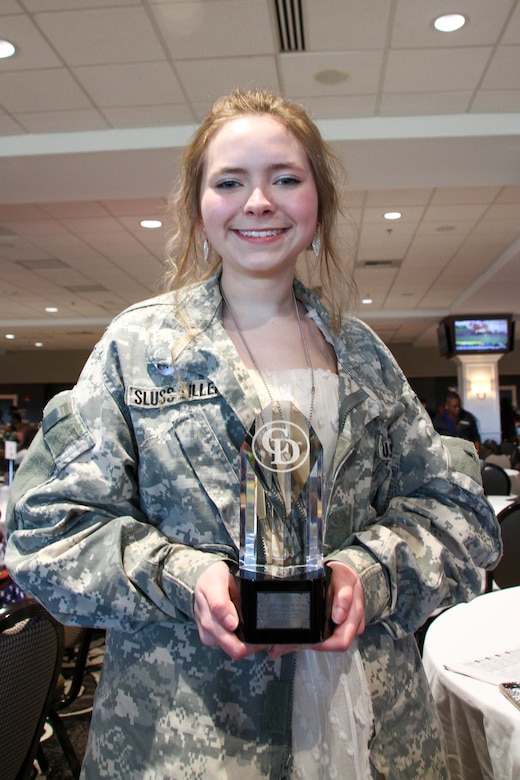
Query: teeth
x,y
259,233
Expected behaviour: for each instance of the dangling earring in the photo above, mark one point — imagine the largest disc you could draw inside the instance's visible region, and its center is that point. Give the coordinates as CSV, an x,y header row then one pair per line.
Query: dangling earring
x,y
205,250
316,243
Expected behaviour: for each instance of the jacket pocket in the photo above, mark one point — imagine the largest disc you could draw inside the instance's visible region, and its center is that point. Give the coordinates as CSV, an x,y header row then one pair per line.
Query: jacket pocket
x,y
65,433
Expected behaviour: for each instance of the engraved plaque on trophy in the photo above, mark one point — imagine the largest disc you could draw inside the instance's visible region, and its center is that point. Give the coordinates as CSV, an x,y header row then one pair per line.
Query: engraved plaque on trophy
x,y
282,576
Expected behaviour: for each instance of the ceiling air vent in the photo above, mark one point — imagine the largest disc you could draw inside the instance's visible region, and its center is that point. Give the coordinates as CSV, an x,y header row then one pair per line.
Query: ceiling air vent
x,y
46,264
290,25
379,263
80,289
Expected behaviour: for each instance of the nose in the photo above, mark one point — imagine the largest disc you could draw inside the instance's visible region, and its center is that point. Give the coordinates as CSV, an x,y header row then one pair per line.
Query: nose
x,y
259,201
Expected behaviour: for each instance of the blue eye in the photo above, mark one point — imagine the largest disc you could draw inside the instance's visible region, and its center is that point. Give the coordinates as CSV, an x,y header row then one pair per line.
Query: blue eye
x,y
227,185
288,180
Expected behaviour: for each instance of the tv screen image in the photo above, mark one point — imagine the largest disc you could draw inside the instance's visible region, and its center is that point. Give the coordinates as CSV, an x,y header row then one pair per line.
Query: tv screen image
x,y
485,335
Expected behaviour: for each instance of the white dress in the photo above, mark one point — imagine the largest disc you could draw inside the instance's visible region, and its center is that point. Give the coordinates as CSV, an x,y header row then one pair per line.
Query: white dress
x,y
332,717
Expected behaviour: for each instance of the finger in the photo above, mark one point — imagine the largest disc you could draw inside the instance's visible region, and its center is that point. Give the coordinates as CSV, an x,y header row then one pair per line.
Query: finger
x,y
276,651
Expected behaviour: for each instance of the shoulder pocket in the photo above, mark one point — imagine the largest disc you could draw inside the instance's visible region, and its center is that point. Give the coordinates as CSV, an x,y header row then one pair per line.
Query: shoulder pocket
x,y
463,457
64,432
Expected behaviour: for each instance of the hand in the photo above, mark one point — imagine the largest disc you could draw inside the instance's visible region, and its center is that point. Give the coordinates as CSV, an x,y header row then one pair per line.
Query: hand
x,y
216,614
348,612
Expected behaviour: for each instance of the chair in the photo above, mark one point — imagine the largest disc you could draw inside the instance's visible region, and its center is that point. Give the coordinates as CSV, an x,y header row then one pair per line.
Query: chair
x,y
507,572
31,649
495,480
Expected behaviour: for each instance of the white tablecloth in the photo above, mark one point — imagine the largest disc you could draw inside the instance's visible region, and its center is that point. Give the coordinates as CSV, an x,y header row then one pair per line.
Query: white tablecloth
x,y
514,476
482,728
501,502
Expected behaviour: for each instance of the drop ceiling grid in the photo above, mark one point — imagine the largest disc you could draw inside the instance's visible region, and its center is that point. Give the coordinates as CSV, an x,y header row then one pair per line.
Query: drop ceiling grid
x,y
64,82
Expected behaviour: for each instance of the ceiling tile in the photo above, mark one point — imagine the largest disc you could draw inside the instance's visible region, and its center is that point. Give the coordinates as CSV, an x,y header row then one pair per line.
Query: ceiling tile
x,y
130,84
496,101
33,51
64,5
10,7
413,24
504,71
220,28
419,104
149,116
363,69
468,195
19,93
512,33
62,121
333,106
207,80
101,35
434,70
333,25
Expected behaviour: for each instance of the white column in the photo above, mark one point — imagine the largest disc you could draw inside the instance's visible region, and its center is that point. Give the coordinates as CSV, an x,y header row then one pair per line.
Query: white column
x,y
478,384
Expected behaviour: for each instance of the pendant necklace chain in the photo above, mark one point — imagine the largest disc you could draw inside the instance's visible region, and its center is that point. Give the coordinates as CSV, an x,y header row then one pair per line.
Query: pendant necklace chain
x,y
255,364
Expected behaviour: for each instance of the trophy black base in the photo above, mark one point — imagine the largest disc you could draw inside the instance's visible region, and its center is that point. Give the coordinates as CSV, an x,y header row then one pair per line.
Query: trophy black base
x,y
284,611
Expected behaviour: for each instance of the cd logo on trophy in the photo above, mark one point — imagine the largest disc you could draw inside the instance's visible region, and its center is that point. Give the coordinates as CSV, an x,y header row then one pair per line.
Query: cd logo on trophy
x,y
280,446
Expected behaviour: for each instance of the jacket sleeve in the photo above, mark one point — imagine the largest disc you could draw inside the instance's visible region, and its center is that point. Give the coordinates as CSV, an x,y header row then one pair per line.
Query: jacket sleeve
x,y
429,530
78,540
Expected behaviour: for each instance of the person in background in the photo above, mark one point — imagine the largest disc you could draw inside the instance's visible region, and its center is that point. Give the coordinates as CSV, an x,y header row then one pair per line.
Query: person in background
x,y
25,433
125,512
508,420
456,421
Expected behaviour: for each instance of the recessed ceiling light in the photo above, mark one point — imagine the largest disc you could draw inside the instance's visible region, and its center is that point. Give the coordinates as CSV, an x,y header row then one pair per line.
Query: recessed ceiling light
x,y
38,343
7,49
449,22
331,76
51,309
151,224
10,336
392,215
367,299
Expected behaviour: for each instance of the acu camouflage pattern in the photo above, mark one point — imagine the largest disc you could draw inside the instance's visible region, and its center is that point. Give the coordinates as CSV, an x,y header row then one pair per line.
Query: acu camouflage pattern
x,y
131,490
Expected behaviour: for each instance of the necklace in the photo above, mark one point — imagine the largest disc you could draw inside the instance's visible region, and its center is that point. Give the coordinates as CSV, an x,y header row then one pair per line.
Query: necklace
x,y
257,368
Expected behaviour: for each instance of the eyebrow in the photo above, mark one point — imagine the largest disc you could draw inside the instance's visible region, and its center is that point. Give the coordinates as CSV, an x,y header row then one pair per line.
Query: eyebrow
x,y
274,167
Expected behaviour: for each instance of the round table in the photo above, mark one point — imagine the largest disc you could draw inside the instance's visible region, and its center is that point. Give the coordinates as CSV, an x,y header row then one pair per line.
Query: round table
x,y
514,476
482,728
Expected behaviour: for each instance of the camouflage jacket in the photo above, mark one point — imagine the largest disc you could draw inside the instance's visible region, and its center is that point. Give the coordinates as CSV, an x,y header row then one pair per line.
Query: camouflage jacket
x,y
131,490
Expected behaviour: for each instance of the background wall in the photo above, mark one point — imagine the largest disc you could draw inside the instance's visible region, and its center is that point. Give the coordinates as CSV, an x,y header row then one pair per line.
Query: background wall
x,y
36,376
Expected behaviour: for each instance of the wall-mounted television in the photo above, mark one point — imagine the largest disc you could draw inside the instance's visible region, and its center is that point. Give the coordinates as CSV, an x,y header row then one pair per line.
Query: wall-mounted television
x,y
444,340
466,334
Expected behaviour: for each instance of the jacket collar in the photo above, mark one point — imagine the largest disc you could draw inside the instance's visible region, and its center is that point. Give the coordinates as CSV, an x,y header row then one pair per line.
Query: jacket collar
x,y
191,340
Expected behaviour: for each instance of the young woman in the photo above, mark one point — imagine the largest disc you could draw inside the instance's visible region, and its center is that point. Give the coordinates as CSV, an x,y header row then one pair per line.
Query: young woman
x,y
125,513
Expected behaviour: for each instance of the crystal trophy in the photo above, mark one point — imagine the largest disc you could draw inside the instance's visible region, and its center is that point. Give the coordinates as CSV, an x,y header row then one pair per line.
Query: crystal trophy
x,y
282,577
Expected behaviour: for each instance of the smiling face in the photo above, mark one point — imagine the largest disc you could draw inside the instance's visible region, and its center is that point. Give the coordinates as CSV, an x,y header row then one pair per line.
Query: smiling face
x,y
258,198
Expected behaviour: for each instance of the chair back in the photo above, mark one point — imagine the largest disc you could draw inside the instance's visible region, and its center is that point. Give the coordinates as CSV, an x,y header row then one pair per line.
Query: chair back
x,y
495,480
508,447
507,572
31,649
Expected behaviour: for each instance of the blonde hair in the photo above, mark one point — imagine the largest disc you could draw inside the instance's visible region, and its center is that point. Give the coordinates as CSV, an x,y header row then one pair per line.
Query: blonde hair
x,y
185,261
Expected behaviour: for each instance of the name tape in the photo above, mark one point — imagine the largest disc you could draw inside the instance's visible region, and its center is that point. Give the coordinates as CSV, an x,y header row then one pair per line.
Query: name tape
x,y
157,397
